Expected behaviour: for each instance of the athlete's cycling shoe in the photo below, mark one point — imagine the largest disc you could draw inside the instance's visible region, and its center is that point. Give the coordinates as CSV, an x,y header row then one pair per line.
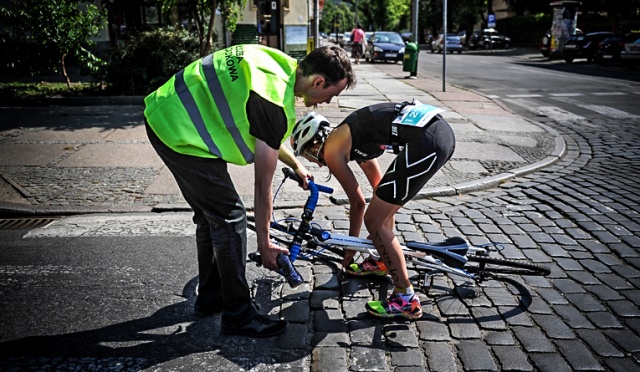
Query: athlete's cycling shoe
x,y
395,306
369,266
260,326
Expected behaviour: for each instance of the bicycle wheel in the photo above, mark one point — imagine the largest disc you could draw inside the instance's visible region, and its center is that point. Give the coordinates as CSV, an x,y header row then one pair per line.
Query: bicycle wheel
x,y
483,265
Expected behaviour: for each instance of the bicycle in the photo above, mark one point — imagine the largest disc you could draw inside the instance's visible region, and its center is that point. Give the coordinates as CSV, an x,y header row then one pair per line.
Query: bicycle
x,y
455,255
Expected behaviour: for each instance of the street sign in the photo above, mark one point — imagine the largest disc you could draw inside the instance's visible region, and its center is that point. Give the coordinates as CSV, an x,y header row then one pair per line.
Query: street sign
x,y
491,20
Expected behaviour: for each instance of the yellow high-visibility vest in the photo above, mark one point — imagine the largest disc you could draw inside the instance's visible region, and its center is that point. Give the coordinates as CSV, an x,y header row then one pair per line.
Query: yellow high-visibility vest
x,y
201,111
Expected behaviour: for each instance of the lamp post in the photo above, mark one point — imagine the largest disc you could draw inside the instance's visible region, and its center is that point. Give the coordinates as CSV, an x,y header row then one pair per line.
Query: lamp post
x,y
444,49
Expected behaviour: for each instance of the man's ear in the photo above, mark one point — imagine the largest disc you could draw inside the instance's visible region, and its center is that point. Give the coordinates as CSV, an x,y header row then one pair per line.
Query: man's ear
x,y
318,82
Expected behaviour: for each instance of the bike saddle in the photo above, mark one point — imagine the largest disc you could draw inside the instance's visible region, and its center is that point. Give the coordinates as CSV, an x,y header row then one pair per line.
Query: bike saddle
x,y
452,251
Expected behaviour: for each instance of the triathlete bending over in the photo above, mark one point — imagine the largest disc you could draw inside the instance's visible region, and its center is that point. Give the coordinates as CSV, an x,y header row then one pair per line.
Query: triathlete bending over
x,y
423,141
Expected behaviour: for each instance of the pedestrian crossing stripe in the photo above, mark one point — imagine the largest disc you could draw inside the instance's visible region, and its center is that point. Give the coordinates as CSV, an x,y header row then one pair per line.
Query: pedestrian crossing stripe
x,y
524,95
603,110
609,94
566,94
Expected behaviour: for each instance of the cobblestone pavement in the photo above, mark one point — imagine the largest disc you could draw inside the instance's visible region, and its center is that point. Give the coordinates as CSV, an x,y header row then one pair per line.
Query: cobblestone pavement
x,y
579,217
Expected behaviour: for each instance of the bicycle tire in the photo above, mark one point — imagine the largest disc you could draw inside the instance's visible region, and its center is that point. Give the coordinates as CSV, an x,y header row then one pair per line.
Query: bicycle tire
x,y
493,265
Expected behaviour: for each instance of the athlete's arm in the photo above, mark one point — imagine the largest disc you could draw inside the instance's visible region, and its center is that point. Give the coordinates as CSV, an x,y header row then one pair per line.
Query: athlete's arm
x,y
336,155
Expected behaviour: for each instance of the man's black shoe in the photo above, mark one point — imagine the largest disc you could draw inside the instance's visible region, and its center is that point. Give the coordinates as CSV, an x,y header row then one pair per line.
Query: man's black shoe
x,y
207,311
260,326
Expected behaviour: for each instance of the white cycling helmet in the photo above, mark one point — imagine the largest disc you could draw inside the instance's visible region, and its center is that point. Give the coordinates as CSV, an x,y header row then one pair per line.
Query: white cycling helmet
x,y
307,129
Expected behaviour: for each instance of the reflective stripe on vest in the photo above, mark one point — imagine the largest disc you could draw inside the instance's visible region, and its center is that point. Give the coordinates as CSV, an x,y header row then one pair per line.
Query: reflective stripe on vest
x,y
221,103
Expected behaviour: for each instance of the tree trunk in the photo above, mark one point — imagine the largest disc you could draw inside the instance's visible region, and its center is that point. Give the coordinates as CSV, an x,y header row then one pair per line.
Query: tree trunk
x,y
209,39
64,70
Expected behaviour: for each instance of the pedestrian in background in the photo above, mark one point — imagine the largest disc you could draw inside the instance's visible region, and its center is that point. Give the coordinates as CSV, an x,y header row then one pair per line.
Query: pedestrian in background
x,y
357,37
427,143
236,106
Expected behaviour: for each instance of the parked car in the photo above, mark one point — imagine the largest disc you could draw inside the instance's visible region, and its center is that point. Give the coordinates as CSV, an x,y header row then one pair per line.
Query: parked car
x,y
631,54
489,38
463,37
453,44
367,35
346,40
407,36
609,49
583,45
336,38
384,46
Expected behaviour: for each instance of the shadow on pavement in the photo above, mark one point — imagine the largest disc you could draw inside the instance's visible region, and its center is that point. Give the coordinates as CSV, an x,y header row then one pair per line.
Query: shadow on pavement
x,y
168,335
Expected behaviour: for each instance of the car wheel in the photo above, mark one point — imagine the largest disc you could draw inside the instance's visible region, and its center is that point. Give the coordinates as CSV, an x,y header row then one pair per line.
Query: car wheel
x,y
507,45
459,52
487,46
568,59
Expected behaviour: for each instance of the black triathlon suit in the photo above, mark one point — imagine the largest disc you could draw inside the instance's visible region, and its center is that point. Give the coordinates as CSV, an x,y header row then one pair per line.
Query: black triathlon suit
x,y
425,150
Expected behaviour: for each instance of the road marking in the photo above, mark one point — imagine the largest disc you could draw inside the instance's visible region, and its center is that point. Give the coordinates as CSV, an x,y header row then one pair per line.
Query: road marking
x,y
552,112
603,110
565,94
609,94
524,95
557,114
162,224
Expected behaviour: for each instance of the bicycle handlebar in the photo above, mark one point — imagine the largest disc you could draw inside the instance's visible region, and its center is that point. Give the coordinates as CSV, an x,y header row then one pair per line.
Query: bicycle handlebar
x,y
286,262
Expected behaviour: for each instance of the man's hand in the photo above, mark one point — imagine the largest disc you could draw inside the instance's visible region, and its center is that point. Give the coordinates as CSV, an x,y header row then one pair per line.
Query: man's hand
x,y
269,253
286,156
305,175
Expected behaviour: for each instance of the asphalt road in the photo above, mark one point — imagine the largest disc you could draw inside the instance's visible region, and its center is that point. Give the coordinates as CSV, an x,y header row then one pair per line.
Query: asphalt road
x,y
523,80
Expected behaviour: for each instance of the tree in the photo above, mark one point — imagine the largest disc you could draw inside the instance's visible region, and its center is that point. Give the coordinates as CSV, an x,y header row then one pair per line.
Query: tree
x,y
64,27
340,16
203,13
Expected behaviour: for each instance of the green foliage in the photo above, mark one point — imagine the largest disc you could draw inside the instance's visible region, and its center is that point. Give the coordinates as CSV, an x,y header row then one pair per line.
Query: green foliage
x,y
525,30
203,15
341,14
42,33
149,60
47,89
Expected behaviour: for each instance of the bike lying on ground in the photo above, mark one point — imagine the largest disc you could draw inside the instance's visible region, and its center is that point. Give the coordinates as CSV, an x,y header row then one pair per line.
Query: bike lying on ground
x,y
454,256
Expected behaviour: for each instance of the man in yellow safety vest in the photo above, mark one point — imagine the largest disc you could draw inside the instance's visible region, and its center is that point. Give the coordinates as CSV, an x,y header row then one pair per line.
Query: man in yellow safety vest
x,y
236,106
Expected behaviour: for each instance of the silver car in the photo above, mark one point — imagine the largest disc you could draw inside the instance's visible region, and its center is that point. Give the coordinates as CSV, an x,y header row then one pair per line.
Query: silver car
x,y
453,44
631,53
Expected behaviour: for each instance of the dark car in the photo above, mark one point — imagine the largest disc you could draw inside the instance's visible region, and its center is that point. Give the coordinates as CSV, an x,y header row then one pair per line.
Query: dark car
x,y
384,46
489,38
583,46
609,49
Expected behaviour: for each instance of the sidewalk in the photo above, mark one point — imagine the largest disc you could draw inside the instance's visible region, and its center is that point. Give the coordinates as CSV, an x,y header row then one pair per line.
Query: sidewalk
x,y
77,157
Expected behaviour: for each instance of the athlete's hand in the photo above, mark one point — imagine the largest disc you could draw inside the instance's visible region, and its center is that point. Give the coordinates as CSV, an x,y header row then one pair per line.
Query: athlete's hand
x,y
269,253
347,258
